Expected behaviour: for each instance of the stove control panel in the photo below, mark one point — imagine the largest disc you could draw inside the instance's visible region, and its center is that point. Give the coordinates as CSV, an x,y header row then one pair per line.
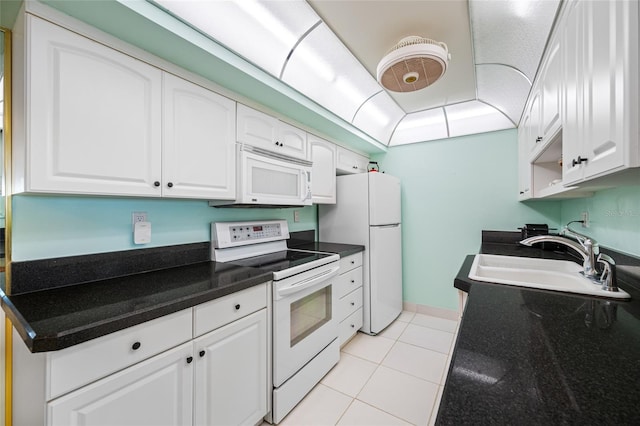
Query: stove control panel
x,y
233,234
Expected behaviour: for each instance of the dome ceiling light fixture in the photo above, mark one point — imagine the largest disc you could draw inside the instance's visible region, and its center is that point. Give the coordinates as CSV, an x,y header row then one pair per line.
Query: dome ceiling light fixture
x,y
413,64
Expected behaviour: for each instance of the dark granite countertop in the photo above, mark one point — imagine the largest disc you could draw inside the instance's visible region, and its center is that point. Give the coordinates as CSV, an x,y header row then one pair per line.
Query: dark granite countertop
x,y
525,356
52,317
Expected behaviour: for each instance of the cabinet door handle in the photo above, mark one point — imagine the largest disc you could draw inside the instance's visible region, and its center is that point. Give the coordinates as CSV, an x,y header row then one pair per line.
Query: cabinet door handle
x,y
189,359
156,184
538,139
578,161
353,303
353,326
170,184
201,353
353,262
136,346
353,281
237,307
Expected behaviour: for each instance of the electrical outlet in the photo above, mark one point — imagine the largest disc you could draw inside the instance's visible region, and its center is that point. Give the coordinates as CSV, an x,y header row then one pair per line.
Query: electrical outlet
x,y
296,215
585,219
138,217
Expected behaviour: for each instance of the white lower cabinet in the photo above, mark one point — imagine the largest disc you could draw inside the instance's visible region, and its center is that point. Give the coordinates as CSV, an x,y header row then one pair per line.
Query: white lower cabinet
x,y
156,392
349,292
231,373
155,373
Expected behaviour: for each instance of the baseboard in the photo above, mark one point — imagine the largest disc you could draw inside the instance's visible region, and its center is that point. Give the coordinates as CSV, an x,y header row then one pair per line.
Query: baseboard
x,y
450,314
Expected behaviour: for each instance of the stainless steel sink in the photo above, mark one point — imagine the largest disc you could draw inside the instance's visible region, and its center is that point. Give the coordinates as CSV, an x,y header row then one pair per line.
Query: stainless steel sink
x,y
545,274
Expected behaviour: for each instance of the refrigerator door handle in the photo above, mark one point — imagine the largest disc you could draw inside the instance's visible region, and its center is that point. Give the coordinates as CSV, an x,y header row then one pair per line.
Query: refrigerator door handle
x,y
393,225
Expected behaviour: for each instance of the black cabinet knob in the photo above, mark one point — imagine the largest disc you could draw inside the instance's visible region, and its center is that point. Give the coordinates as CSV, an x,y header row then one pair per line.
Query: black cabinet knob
x,y
237,307
156,183
353,281
353,262
136,346
538,139
170,184
189,359
353,303
353,326
201,353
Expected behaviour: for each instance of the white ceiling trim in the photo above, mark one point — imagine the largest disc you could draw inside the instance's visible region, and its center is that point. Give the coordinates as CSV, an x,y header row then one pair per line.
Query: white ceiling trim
x,y
290,41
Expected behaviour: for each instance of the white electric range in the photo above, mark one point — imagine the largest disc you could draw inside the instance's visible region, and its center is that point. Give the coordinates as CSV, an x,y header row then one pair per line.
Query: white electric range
x,y
305,329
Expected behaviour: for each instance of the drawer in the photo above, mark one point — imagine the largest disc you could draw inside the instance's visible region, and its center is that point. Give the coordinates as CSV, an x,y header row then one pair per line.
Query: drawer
x,y
350,262
218,312
349,303
348,281
79,365
350,326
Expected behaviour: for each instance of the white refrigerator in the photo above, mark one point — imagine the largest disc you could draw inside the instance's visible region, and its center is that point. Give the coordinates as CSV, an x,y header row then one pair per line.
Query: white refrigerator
x,y
368,212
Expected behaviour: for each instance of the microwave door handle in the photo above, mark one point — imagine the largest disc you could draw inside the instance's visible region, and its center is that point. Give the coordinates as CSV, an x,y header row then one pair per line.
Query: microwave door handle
x,y
309,282
306,193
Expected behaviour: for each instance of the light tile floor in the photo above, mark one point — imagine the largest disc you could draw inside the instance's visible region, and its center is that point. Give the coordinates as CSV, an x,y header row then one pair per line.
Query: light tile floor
x,y
395,378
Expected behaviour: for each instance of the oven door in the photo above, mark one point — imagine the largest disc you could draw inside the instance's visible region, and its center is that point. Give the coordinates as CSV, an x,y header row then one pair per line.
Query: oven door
x,y
268,178
304,319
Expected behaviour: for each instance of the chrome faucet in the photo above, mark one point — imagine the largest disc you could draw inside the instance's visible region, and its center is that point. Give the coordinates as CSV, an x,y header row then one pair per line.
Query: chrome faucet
x,y
589,249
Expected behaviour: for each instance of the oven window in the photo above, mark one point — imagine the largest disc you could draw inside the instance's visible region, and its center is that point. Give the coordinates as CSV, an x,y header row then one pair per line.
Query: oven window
x,y
309,314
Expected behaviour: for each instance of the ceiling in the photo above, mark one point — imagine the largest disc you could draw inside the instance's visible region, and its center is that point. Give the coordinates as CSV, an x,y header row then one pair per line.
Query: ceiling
x,y
328,50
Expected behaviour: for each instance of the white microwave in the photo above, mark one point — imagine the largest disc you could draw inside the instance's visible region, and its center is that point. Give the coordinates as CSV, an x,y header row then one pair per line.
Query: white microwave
x,y
266,178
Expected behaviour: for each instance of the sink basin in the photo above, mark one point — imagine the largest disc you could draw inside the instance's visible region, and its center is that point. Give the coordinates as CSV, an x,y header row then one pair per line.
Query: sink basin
x,y
544,274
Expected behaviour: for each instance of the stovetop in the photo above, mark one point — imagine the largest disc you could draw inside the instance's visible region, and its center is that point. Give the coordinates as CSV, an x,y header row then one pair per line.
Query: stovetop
x,y
287,262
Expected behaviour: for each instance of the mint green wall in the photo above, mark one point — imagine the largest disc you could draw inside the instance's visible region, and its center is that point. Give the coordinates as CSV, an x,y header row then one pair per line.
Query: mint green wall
x,y
451,190
48,226
614,216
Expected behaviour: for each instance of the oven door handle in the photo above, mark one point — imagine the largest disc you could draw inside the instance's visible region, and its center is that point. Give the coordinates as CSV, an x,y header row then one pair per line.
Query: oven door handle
x,y
309,282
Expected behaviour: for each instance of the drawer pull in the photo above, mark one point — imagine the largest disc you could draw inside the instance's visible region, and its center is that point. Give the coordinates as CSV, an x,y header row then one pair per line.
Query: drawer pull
x,y
201,353
353,281
136,346
353,262
189,359
237,307
353,303
353,326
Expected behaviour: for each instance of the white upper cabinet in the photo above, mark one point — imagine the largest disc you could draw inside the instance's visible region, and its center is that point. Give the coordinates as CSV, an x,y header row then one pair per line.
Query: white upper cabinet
x,y
348,162
264,131
92,116
551,93
601,91
323,172
198,156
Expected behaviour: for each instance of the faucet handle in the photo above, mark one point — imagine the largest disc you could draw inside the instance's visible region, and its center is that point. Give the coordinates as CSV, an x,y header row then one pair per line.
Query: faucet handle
x,y
608,278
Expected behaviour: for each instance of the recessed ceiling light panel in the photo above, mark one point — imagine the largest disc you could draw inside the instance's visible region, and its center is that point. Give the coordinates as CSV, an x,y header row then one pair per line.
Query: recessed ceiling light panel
x,y
413,64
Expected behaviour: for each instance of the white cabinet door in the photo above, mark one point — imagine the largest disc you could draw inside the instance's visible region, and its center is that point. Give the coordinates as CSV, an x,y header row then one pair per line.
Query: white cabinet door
x,y
231,373
533,131
155,392
524,166
323,172
198,142
292,141
348,162
94,116
601,89
551,83
607,90
263,131
573,70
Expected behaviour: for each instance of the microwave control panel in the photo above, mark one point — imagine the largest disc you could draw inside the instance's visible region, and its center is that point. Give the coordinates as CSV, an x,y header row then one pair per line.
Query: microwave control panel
x,y
232,234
